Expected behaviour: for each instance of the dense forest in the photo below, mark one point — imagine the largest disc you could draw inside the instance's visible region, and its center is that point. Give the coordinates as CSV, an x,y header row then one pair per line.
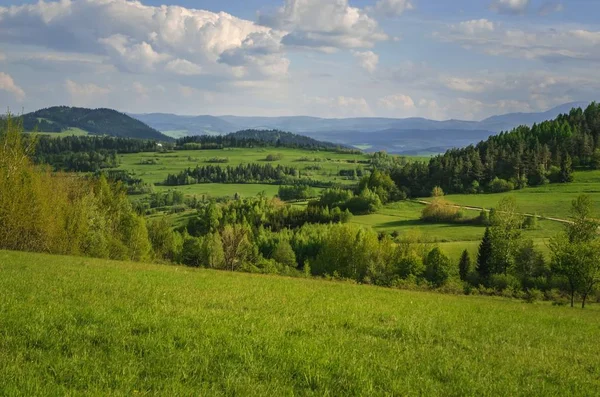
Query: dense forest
x,y
526,156
86,153
95,121
243,173
255,138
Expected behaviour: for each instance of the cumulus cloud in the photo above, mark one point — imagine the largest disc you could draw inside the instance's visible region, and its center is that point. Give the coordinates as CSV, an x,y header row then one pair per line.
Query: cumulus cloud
x,y
85,93
367,60
134,36
8,84
474,27
393,8
511,7
324,24
549,45
398,101
131,56
183,67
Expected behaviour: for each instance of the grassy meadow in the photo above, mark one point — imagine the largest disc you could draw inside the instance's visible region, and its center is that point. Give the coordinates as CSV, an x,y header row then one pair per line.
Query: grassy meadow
x,y
68,132
404,217
329,163
83,326
552,200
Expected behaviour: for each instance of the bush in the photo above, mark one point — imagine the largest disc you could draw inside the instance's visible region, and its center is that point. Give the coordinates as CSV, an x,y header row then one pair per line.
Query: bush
x,y
500,186
532,295
440,210
531,222
437,192
504,282
218,160
438,268
274,157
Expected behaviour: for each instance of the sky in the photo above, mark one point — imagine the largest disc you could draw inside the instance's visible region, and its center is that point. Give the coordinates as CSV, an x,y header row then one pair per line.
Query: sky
x,y
439,59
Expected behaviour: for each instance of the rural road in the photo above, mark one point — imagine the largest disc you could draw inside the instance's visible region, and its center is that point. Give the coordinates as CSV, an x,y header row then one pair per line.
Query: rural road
x,y
479,209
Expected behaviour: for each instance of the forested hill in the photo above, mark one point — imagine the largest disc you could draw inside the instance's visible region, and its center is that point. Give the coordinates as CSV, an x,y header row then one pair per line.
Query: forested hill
x,y
94,121
526,156
248,138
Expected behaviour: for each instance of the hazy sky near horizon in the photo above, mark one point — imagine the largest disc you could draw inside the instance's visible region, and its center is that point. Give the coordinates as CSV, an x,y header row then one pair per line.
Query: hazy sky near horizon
x,y
463,59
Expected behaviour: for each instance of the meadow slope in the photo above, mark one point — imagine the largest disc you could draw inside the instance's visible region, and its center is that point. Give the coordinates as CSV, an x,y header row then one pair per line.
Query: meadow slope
x,y
83,326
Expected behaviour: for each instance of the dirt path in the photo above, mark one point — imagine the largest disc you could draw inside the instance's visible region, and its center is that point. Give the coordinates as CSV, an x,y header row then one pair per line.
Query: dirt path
x,y
479,209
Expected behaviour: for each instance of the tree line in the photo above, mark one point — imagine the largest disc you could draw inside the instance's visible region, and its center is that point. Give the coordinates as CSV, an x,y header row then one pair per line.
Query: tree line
x,y
255,138
526,156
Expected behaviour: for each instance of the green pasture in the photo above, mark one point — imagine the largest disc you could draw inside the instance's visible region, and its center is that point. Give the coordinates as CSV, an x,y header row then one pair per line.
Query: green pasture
x,y
79,326
69,132
552,200
330,163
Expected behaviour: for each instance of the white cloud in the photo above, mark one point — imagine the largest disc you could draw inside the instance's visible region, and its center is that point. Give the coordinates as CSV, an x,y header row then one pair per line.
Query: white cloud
x,y
467,84
398,101
134,36
8,84
183,67
550,45
474,27
324,24
130,56
393,8
2,57
367,60
85,93
511,7
340,106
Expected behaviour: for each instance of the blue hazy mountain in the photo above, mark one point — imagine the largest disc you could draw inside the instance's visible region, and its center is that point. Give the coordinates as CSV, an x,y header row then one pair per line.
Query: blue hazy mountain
x,y
408,135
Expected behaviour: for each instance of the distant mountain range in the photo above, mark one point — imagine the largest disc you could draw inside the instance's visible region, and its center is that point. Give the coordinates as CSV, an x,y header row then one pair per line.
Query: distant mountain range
x,y
410,135
92,121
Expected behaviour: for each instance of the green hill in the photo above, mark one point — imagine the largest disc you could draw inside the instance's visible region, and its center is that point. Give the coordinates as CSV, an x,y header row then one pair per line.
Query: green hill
x,y
94,121
73,326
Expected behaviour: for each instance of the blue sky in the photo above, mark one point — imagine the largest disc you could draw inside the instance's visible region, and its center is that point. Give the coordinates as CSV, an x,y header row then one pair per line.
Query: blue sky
x,y
329,58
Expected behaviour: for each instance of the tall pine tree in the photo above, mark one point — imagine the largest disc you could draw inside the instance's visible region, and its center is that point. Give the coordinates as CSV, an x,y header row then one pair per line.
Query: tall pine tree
x,y
464,266
484,257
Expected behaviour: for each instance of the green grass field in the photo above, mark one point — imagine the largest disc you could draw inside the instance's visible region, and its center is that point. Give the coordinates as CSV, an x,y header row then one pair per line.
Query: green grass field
x,y
552,200
73,326
62,134
404,217
169,163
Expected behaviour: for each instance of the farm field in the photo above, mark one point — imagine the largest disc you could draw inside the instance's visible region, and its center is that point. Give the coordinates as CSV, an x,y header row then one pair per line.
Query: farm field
x,y
552,200
84,326
330,163
404,217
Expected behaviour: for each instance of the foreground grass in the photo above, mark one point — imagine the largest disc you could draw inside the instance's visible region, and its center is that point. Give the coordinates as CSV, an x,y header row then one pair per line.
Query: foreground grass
x,y
76,325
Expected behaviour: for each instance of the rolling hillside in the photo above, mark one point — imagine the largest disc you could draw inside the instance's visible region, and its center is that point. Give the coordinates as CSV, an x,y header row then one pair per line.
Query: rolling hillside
x,y
94,121
80,326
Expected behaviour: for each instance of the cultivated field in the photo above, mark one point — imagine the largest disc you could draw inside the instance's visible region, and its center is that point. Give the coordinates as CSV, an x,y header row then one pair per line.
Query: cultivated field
x,y
84,326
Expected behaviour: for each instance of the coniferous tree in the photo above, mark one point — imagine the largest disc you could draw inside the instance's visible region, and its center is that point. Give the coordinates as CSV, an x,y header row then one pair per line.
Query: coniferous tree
x,y
484,257
464,266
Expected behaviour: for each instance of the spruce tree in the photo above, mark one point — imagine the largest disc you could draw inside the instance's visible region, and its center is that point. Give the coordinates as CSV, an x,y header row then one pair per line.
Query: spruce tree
x,y
484,257
464,266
